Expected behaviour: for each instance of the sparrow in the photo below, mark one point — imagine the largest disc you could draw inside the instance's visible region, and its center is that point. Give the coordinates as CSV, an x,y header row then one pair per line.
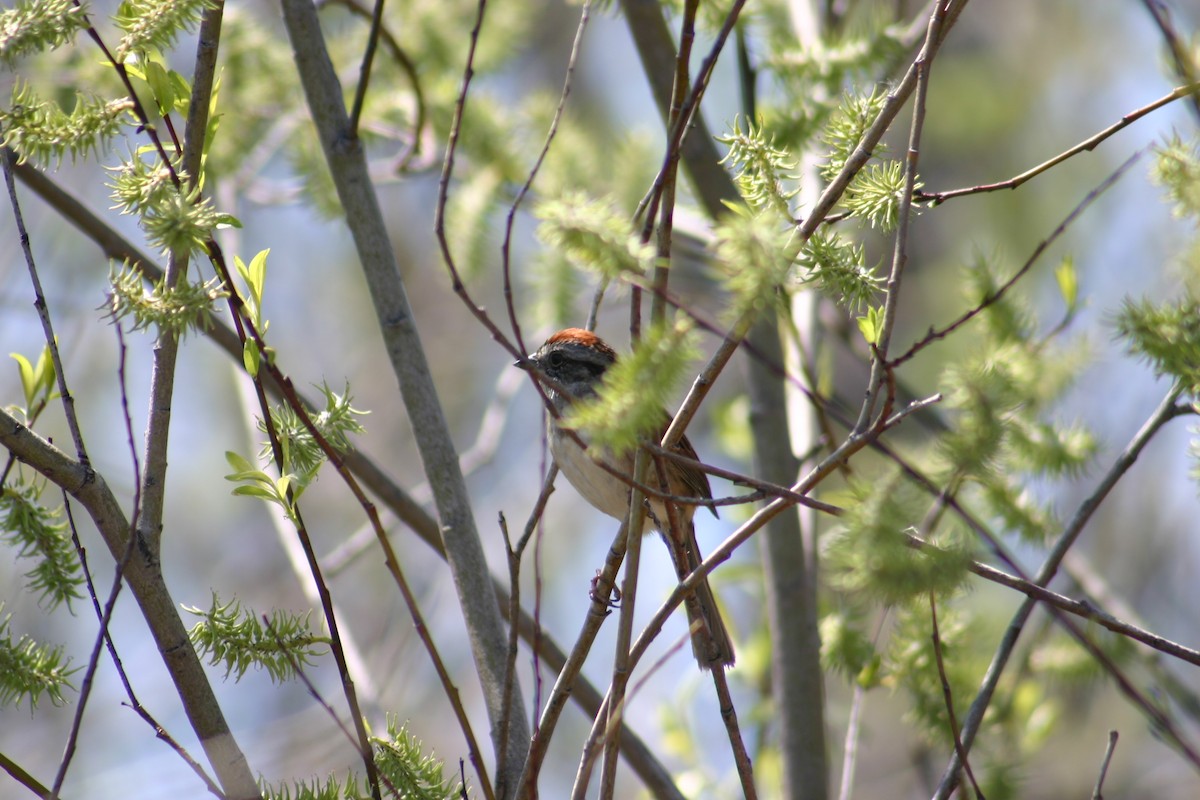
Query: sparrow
x,y
575,361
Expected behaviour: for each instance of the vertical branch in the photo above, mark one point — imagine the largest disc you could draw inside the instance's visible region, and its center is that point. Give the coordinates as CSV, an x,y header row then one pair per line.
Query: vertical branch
x,y
947,695
621,666
782,424
879,369
166,348
464,550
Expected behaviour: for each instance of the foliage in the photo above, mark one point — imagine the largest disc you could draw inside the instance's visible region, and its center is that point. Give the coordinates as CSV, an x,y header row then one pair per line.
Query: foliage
x,y
869,555
29,669
172,310
254,278
752,255
37,382
34,25
635,390
39,130
175,219
593,236
761,170
838,268
405,771
998,442
336,422
846,128
155,24
404,766
238,638
38,534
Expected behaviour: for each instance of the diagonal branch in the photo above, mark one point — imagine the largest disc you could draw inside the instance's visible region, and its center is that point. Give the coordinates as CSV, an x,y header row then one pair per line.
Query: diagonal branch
x,y
1190,90
372,476
464,550
1166,411
159,609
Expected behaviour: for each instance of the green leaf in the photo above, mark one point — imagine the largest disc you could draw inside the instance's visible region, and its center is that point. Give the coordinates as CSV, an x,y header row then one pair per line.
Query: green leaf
x,y
251,357
871,324
27,381
250,490
239,464
1068,283
161,86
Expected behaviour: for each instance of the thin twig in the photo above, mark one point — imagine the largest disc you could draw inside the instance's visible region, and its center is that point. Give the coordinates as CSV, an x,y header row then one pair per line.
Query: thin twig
x,y
364,71
997,294
406,64
948,696
741,758
598,611
39,302
551,132
21,776
622,669
134,703
1086,145
514,581
105,615
364,471
1079,608
1166,411
880,370
1184,61
1098,792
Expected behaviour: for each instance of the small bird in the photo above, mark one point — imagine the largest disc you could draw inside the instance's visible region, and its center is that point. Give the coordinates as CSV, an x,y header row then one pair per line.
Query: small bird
x,y
576,360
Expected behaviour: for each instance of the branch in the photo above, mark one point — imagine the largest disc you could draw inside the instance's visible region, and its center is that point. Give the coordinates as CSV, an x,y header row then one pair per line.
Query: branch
x,y
1166,411
1080,608
150,590
936,334
644,762
1183,61
464,551
880,370
1088,144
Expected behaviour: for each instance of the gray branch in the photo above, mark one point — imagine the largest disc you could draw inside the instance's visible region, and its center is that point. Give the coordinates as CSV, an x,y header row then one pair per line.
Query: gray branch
x,y
464,551
145,579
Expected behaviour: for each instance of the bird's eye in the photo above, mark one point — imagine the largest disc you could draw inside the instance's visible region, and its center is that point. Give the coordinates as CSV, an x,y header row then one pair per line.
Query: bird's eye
x,y
555,359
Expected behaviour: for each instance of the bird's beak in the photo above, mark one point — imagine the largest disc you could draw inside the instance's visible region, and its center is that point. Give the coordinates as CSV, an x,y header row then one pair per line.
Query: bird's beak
x,y
527,363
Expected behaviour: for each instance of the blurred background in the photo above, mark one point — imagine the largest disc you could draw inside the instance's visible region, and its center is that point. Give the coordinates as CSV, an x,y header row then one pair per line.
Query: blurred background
x,y
1016,84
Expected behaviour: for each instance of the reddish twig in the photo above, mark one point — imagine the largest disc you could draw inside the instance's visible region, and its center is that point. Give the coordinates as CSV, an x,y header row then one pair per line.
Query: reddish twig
x,y
1086,145
936,334
948,696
